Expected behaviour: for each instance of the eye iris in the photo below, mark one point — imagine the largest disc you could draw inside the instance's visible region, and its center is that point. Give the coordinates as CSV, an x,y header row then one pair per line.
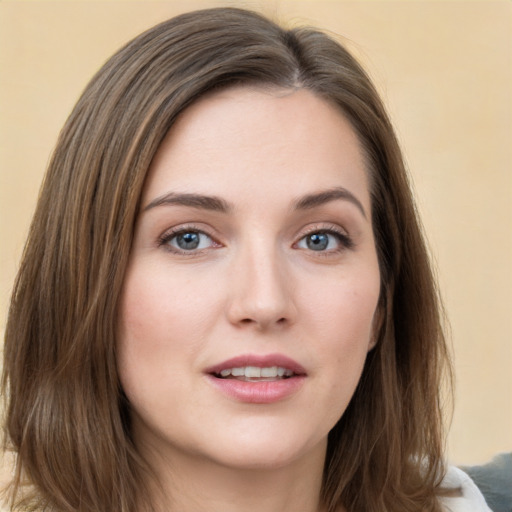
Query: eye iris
x,y
317,241
188,241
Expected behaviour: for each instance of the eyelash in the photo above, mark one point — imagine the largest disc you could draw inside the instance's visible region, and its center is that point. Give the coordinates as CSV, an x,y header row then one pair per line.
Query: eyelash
x,y
164,240
344,240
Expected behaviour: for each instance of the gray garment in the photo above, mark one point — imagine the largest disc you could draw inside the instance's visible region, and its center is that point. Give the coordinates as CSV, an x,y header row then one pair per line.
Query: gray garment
x,y
494,481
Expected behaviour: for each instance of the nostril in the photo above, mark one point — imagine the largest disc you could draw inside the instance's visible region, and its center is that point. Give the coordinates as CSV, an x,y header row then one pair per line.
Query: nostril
x,y
262,323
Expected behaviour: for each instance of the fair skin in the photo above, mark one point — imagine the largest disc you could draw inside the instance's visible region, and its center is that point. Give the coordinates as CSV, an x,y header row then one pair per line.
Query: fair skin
x,y
254,242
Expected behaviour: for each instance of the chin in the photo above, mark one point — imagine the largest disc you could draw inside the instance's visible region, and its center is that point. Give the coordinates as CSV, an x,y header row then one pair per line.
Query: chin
x,y
260,453
264,459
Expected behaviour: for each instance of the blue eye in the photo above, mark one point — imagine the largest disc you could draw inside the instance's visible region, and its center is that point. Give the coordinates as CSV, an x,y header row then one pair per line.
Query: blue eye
x,y
323,241
188,241
317,241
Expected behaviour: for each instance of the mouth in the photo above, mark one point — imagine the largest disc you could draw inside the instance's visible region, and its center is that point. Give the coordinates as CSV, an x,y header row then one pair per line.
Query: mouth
x,y
256,373
257,368
257,379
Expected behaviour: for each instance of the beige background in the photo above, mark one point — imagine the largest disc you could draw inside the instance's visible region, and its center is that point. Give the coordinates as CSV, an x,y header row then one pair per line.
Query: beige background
x,y
444,69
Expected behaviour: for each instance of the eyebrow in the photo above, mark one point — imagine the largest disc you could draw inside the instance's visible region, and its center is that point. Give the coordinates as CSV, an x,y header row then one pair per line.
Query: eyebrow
x,y
333,194
214,203
200,201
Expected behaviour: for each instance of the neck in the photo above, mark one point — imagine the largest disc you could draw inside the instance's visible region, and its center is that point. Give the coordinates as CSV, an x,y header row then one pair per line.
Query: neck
x,y
188,484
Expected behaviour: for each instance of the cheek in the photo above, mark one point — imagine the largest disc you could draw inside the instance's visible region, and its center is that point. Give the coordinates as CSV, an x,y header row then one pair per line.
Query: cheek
x,y
340,318
342,311
161,324
159,307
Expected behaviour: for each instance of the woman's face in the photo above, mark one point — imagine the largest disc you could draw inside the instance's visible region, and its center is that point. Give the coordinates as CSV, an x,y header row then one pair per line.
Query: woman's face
x,y
250,298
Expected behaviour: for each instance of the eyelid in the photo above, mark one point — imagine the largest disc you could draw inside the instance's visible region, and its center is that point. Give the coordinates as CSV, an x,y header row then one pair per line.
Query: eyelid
x,y
169,234
343,236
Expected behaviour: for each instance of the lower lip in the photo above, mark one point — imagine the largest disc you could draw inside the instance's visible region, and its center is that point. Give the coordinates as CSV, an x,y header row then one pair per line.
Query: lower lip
x,y
264,392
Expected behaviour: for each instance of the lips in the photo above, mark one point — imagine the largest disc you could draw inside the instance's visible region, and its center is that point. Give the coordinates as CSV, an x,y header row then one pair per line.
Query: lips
x,y
252,364
257,379
254,372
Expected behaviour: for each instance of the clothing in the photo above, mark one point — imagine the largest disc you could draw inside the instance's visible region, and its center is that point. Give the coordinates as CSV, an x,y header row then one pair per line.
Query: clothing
x,y
471,499
494,480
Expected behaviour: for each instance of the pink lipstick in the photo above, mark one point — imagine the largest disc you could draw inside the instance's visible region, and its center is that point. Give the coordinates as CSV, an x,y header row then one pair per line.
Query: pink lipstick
x,y
257,379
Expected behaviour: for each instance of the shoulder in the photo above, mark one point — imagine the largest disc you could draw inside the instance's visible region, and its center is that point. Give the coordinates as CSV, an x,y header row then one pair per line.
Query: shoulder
x,y
494,479
471,499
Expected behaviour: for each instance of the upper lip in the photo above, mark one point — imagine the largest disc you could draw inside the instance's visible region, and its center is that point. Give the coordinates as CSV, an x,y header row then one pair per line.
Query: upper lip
x,y
261,361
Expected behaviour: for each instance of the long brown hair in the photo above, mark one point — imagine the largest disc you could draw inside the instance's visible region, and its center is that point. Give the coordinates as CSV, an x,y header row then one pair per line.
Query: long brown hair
x,y
66,416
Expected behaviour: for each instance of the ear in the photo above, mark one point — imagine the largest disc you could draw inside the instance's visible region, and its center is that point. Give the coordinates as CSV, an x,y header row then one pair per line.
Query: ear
x,y
377,323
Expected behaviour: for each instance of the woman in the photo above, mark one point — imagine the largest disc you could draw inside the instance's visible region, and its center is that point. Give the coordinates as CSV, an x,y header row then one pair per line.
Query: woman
x,y
225,300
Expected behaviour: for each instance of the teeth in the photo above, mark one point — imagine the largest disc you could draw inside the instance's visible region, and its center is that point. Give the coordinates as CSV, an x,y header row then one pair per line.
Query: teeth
x,y
269,372
257,372
252,371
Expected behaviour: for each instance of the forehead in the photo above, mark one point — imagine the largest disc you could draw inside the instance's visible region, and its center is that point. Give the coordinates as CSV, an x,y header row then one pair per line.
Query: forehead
x,y
267,140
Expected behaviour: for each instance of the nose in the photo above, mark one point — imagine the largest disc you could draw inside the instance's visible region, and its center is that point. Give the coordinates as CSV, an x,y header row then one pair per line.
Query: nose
x,y
261,291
